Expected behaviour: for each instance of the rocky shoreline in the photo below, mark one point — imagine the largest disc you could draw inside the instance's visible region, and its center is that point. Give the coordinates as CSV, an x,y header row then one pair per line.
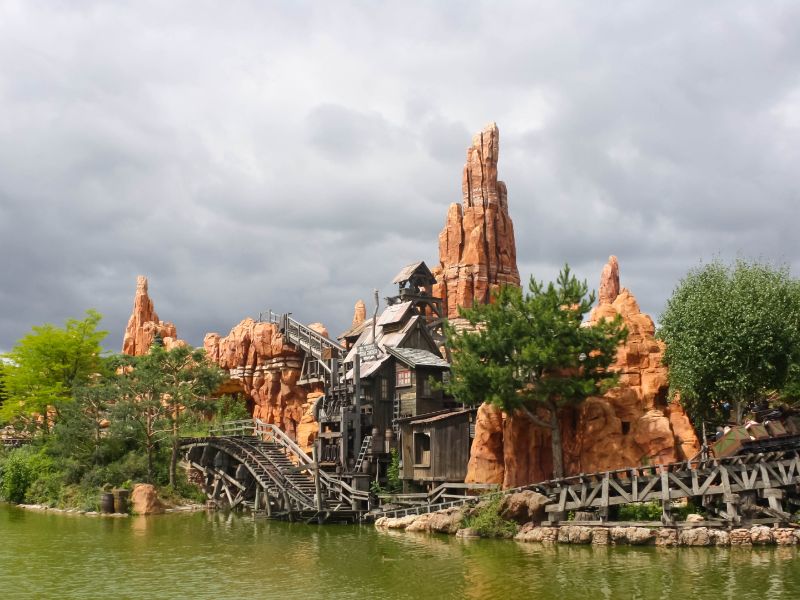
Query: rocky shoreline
x,y
449,522
526,509
93,513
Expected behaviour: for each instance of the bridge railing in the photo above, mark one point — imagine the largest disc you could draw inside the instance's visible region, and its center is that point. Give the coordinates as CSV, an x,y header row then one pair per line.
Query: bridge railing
x,y
335,488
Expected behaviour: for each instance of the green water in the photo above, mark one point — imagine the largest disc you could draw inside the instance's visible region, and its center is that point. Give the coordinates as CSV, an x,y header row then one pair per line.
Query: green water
x,y
221,556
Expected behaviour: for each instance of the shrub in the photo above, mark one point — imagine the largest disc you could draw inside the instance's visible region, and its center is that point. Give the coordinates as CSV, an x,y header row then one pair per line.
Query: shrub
x,y
21,468
486,519
640,511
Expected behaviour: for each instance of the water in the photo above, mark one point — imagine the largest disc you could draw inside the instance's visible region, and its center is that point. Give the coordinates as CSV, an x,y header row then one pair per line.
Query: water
x,y
223,556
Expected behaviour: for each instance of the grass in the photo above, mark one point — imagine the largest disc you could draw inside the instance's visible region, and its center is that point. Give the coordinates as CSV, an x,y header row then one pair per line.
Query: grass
x,y
487,522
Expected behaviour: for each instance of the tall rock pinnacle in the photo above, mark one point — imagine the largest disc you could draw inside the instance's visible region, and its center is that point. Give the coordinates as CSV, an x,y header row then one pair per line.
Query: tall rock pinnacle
x,y
477,252
609,281
144,325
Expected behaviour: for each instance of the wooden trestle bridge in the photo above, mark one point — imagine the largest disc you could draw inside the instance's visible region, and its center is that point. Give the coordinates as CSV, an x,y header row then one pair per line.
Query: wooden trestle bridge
x,y
255,465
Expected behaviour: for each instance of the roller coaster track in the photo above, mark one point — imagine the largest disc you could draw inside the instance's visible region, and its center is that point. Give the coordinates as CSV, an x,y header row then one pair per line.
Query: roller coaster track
x,y
754,486
278,468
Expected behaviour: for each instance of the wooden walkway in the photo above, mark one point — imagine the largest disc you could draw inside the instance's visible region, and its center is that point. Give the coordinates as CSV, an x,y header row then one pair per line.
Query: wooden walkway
x,y
255,464
757,487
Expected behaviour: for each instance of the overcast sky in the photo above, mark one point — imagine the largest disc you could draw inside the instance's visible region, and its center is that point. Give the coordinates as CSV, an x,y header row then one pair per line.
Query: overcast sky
x,y
295,155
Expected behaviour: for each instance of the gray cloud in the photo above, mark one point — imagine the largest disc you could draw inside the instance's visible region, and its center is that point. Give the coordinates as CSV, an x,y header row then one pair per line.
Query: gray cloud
x,y
295,155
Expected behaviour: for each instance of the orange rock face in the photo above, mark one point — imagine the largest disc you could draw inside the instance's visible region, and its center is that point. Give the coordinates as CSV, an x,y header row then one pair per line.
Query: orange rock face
x,y
359,314
630,425
477,252
266,369
144,325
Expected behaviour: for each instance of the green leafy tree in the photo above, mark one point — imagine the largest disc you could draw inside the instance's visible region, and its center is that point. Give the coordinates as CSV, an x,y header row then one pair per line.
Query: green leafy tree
x,y
156,390
530,351
3,393
46,366
732,337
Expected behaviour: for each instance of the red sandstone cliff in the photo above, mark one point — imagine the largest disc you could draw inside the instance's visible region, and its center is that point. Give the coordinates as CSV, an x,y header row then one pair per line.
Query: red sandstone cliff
x,y
144,325
629,425
477,252
265,369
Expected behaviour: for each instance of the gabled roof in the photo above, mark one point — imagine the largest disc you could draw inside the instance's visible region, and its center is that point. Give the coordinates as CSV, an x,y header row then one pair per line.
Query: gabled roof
x,y
415,357
394,313
418,268
439,415
356,330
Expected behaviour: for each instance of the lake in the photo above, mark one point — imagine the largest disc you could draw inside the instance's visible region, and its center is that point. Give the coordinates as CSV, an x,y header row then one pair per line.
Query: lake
x,y
214,555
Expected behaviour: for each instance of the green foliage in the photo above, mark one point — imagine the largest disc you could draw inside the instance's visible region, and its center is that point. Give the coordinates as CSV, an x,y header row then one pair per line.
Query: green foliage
x,y
20,470
46,366
640,511
154,392
486,519
529,351
394,482
732,337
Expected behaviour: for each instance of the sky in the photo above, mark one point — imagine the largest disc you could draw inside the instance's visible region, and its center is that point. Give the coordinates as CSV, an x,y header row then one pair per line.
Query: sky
x,y
293,156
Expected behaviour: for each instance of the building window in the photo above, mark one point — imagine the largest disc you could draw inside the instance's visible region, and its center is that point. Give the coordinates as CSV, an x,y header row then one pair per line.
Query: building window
x,y
403,378
384,383
426,387
422,449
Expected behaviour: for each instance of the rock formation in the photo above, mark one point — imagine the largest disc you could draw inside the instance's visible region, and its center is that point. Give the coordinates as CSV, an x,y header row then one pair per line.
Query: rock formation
x,y
477,252
359,314
144,325
631,424
266,369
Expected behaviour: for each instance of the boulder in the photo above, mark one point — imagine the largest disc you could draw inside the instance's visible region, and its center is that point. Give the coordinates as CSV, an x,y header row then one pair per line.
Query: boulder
x,y
144,500
760,535
694,518
531,533
636,536
740,537
694,536
524,507
666,537
785,536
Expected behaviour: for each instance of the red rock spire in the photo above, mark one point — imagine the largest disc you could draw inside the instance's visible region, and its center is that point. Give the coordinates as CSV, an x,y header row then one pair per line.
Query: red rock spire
x,y
477,252
144,324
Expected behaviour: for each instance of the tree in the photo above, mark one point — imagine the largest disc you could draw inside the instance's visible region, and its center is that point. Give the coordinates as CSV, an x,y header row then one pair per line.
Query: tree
x,y
156,389
530,351
46,366
732,337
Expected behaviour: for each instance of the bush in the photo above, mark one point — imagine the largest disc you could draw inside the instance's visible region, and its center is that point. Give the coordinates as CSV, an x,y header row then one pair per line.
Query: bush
x,y
640,511
486,519
46,489
20,469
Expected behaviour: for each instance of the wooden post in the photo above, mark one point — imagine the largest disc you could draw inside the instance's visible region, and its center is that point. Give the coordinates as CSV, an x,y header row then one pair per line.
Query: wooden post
x,y
357,423
666,506
317,486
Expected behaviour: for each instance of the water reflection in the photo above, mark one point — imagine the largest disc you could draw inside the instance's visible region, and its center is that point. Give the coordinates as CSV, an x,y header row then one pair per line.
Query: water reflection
x,y
220,555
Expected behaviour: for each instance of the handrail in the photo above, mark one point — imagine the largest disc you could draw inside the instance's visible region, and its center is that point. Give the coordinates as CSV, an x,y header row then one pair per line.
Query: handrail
x,y
335,487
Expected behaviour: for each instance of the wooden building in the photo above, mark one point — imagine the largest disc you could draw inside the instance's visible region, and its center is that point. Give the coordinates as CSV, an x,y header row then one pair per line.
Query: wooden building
x,y
435,447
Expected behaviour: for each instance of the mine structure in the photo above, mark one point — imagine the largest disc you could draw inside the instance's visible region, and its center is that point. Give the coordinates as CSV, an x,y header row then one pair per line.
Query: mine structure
x,y
329,415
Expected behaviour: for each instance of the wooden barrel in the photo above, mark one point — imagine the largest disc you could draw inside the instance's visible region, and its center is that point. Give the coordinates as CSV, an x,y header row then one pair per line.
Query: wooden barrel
x,y
107,503
121,500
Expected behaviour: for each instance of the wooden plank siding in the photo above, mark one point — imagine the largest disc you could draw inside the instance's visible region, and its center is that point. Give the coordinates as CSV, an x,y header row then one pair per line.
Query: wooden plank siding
x,y
449,450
